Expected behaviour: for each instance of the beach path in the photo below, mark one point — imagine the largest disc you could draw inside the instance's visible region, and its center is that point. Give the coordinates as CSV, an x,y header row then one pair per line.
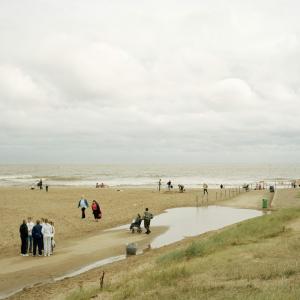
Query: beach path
x,y
18,272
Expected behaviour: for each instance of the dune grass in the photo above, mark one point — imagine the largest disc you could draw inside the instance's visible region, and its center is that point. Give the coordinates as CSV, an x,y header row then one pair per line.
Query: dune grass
x,y
256,259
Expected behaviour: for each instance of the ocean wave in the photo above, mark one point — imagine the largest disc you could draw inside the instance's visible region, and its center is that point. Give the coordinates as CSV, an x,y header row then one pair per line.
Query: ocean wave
x,y
16,176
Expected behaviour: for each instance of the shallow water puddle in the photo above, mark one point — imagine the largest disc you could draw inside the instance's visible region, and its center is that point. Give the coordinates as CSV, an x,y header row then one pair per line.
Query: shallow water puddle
x,y
191,221
181,222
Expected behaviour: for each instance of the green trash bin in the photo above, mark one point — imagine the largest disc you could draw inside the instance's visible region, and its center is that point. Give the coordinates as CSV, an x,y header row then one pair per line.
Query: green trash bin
x,y
264,203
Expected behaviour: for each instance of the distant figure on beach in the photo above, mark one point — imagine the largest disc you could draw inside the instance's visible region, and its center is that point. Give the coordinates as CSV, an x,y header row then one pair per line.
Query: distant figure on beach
x,y
40,184
221,186
159,185
47,234
30,225
97,185
169,184
181,188
205,188
147,220
102,185
96,210
246,187
83,204
47,187
24,238
37,237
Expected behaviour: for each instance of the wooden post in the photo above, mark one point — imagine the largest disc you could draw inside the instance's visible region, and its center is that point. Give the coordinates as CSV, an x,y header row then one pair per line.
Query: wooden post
x,y
102,280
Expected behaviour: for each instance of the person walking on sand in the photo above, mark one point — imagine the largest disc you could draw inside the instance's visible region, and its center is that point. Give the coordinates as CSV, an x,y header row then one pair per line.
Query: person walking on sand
x,y
96,210
205,188
24,238
30,225
83,204
37,237
147,219
47,232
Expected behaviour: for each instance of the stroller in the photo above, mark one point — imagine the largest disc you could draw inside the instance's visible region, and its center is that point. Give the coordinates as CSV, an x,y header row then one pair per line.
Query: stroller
x,y
136,224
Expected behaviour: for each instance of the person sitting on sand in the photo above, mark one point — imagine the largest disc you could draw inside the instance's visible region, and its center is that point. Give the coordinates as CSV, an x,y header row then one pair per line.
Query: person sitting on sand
x,y
96,210
24,238
83,204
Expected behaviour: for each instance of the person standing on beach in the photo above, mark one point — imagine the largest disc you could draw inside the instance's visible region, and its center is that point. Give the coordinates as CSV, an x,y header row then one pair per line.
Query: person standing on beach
x,y
169,184
96,210
42,224
83,204
47,187
147,219
52,236
205,188
159,185
24,238
47,233
37,237
40,184
30,225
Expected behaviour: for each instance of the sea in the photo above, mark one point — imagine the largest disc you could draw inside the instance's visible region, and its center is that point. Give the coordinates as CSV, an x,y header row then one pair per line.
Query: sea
x,y
146,175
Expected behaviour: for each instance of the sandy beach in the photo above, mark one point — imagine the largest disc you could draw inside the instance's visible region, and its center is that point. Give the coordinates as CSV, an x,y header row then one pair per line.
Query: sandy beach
x,y
80,242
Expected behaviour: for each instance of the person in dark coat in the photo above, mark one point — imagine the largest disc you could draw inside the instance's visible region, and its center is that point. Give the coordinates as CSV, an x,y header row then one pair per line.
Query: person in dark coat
x,y
96,210
24,238
147,219
37,237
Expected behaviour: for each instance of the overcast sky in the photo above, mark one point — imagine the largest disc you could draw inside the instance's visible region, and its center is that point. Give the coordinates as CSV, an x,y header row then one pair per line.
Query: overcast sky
x,y
149,81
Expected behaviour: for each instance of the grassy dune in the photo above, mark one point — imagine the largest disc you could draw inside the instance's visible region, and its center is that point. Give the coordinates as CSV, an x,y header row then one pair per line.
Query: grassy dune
x,y
257,259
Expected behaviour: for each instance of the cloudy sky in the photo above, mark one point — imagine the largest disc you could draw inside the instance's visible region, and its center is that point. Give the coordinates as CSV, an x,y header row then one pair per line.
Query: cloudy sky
x,y
149,81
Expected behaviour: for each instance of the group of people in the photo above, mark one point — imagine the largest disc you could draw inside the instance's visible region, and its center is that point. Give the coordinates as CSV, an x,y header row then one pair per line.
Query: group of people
x,y
39,184
101,185
181,187
147,217
96,210
37,236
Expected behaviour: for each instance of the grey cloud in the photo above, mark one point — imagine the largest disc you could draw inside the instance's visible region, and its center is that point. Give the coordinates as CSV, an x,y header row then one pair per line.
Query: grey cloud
x,y
148,80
